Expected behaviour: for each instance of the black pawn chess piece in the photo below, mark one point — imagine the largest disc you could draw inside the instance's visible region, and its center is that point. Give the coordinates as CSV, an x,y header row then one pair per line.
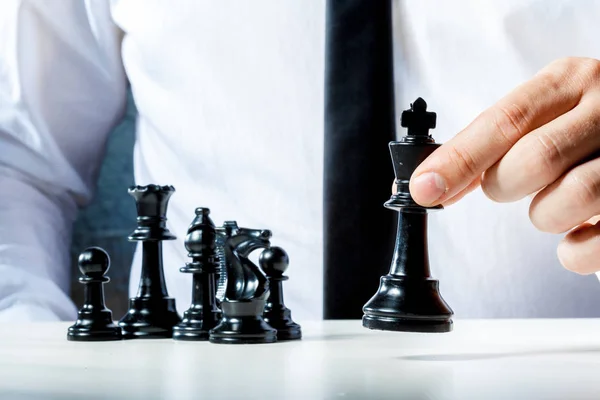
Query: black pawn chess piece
x,y
203,313
243,306
152,313
94,320
274,261
408,298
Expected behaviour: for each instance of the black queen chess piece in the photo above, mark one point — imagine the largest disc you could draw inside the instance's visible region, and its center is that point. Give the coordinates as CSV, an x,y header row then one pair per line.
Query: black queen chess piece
x,y
203,313
152,313
274,261
243,305
408,298
94,319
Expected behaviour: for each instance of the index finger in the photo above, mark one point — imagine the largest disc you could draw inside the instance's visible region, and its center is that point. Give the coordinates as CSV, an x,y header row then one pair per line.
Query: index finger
x,y
461,160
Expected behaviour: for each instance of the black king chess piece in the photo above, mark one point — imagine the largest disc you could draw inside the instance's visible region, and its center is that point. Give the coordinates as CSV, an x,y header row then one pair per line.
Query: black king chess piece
x,y
242,320
203,313
152,313
94,320
408,298
274,262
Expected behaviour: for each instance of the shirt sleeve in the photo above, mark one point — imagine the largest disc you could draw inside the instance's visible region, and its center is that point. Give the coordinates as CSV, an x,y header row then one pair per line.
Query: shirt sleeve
x,y
62,90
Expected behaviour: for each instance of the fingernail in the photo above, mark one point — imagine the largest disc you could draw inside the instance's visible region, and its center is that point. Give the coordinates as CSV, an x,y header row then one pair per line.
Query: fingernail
x,y
428,188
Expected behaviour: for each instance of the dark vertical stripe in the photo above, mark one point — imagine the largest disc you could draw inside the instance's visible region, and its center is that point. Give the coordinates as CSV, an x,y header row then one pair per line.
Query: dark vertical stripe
x,y
359,124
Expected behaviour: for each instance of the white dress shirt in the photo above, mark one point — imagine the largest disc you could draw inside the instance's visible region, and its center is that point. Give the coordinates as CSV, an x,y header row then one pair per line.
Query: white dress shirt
x,y
230,101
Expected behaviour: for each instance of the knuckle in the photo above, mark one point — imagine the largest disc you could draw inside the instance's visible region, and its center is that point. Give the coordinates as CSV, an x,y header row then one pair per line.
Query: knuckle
x,y
572,72
464,161
563,66
594,115
560,83
550,157
593,123
509,121
580,72
553,77
568,62
591,68
586,189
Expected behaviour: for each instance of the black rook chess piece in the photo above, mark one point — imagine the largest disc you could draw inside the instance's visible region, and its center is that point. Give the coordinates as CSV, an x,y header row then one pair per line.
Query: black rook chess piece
x,y
94,320
203,314
408,298
274,262
152,313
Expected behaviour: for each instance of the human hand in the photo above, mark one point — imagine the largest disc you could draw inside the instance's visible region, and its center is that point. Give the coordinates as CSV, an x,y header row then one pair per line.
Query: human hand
x,y
543,140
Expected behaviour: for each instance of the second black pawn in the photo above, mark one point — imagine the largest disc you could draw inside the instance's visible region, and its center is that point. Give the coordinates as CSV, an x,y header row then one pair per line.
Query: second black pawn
x,y
274,261
94,320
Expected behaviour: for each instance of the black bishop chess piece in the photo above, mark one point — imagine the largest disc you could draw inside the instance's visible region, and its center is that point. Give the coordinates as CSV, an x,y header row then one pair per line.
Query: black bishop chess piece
x,y
152,313
274,261
408,298
94,319
243,305
203,313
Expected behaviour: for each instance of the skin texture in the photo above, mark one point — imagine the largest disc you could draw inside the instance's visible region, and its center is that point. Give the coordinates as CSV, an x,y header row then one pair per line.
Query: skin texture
x,y
542,140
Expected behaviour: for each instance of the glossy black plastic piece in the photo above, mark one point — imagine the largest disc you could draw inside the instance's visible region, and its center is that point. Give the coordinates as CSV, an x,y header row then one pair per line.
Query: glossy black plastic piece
x,y
242,320
203,313
152,313
408,298
242,323
409,152
274,261
94,319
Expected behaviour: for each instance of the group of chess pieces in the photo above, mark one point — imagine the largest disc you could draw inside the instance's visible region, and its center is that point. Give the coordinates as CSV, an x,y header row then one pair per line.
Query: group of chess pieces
x,y
250,308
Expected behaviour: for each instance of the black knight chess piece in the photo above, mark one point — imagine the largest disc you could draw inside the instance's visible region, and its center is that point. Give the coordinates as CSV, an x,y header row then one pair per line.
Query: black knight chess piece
x,y
203,313
242,320
94,320
274,261
408,298
152,313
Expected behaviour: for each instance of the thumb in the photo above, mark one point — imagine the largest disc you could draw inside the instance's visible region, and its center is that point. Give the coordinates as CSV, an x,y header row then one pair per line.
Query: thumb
x,y
447,172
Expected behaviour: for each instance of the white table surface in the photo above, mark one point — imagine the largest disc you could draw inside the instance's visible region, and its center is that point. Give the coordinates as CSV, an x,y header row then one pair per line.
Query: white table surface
x,y
493,359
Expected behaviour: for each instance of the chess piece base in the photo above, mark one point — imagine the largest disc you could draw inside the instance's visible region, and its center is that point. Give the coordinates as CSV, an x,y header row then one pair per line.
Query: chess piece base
x,y
281,321
190,332
85,334
409,305
289,333
193,326
94,328
244,330
406,325
150,318
242,323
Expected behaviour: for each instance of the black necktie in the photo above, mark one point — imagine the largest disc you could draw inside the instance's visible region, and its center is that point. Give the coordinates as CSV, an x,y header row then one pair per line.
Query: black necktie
x,y
359,124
